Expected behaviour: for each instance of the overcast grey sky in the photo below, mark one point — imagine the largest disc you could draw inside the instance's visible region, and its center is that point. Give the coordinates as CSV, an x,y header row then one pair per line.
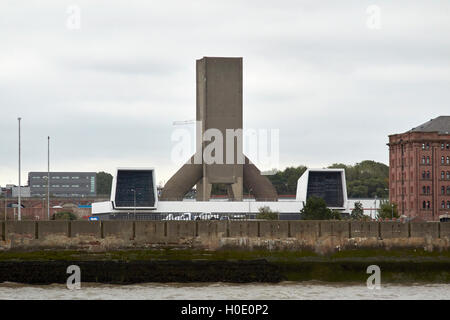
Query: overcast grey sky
x,y
107,93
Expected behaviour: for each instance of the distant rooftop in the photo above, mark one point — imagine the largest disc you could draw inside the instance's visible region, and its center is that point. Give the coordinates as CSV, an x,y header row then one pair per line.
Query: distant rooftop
x,y
440,124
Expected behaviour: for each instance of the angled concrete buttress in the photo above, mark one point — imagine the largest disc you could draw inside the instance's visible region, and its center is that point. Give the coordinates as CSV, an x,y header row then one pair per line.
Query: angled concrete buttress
x,y
219,106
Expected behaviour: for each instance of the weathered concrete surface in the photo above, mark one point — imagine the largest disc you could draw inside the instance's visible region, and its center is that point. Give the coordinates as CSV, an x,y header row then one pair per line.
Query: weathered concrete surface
x,y
2,231
219,107
48,229
394,230
445,230
85,228
305,230
122,230
118,234
338,229
212,229
361,229
424,229
179,232
243,229
319,236
25,229
152,232
20,234
54,234
274,229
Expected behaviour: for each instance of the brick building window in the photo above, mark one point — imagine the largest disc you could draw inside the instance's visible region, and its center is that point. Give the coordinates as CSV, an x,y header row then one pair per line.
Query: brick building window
x,y
443,204
448,160
428,205
448,204
428,146
424,205
442,175
448,190
442,160
423,146
428,174
428,160
448,175
428,189
423,159
442,190
442,146
424,190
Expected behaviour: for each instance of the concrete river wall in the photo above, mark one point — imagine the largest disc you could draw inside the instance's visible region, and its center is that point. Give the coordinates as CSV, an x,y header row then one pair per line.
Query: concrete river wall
x,y
235,251
318,236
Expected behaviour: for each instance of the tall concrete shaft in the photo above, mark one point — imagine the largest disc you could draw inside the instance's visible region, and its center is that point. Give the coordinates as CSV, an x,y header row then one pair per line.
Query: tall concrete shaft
x,y
219,107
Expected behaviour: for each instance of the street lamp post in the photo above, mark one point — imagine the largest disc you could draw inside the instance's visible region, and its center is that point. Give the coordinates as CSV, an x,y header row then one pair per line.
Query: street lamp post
x,y
19,202
134,208
249,199
375,204
48,178
392,211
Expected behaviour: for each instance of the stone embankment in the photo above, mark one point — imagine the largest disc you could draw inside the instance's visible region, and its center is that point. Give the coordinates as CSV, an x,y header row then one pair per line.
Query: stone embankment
x,y
234,251
321,237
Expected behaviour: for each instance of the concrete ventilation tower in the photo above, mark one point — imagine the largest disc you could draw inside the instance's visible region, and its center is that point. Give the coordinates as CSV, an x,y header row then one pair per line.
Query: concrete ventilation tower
x,y
219,106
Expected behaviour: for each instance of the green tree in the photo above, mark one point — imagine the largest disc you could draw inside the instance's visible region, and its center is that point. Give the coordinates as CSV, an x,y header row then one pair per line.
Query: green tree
x,y
285,182
366,179
387,210
358,211
265,213
104,183
316,208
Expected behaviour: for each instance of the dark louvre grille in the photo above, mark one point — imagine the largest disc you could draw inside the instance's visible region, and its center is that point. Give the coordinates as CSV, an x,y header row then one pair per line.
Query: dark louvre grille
x,y
131,182
328,186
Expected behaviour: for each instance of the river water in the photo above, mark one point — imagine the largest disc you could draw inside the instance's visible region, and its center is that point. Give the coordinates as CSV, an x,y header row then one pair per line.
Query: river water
x,y
208,291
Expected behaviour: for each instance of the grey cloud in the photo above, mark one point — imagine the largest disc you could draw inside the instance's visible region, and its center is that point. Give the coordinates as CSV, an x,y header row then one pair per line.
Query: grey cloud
x,y
108,93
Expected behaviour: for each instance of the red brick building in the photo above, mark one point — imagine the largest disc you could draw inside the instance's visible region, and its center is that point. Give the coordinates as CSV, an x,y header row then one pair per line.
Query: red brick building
x,y
419,169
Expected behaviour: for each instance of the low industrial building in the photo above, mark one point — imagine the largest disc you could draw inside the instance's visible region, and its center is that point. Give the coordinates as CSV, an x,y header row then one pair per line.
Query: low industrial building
x,y
134,196
63,184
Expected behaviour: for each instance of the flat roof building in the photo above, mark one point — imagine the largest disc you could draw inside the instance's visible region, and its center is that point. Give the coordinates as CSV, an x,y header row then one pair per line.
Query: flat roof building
x,y
63,184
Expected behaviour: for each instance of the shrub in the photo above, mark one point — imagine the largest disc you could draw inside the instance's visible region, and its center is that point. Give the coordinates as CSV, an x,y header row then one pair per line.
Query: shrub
x,y
358,211
387,210
316,208
266,214
64,215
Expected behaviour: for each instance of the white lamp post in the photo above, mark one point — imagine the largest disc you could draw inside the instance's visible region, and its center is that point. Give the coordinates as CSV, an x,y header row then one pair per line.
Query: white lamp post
x,y
19,217
48,178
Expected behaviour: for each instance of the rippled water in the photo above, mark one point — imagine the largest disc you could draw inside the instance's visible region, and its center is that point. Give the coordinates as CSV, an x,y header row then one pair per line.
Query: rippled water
x,y
207,291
